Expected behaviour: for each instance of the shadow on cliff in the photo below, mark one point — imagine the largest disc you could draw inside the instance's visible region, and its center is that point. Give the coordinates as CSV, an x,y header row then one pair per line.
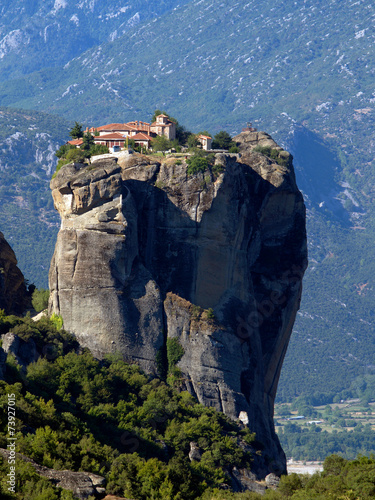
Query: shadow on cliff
x,y
240,252
317,169
165,239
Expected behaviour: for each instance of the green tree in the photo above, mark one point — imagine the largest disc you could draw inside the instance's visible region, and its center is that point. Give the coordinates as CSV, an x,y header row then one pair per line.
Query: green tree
x,y
182,134
39,299
223,140
175,351
76,132
161,143
192,141
205,132
196,164
63,150
157,112
88,142
75,155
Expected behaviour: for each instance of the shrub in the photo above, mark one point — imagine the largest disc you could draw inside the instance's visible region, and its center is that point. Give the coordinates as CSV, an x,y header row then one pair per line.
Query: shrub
x,y
39,299
63,150
264,150
99,149
210,313
76,155
57,321
175,351
217,170
196,164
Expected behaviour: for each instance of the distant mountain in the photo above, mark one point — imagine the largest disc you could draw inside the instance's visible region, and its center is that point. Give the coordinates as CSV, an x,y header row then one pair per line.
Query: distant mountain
x,y
37,34
301,71
28,140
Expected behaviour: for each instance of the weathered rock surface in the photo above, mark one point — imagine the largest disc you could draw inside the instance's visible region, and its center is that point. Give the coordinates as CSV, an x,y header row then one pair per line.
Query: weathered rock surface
x,y
145,250
25,352
82,484
195,453
13,297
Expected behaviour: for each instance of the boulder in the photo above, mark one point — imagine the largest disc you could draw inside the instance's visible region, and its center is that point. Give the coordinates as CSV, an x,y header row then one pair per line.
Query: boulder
x,y
82,484
25,352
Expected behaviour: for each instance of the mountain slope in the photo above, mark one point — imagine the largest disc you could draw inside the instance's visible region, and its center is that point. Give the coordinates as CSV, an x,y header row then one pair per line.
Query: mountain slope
x,y
245,56
63,29
28,140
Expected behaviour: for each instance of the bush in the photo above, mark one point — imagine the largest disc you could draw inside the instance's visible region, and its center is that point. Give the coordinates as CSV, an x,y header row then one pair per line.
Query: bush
x,y
222,140
196,164
175,351
39,299
274,154
75,155
264,150
210,313
63,150
99,149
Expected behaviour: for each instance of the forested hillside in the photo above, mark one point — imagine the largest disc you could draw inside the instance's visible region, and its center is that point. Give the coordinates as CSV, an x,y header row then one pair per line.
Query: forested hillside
x,y
108,418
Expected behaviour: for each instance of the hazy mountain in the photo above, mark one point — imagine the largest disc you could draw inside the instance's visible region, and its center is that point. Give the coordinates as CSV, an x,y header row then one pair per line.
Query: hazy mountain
x,y
41,34
303,72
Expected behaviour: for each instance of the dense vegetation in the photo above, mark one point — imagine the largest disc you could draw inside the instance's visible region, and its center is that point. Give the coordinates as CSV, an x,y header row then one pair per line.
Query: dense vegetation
x,y
340,480
315,444
309,432
74,412
61,31
331,354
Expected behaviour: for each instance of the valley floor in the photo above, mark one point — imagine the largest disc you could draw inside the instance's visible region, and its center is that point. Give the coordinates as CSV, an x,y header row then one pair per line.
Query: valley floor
x,y
300,467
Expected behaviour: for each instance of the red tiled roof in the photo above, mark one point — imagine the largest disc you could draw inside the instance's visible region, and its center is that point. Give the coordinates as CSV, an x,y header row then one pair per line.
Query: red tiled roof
x,y
141,137
114,136
205,136
138,124
115,126
75,142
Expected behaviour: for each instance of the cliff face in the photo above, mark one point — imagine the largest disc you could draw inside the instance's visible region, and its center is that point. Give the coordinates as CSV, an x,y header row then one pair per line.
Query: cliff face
x,y
145,250
13,298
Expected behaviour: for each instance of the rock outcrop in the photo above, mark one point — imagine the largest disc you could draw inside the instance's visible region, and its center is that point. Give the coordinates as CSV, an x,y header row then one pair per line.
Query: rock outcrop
x,y
25,352
213,260
84,485
13,296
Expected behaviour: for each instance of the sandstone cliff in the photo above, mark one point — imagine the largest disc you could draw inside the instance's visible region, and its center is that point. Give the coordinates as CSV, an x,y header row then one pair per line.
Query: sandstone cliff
x,y
145,252
13,297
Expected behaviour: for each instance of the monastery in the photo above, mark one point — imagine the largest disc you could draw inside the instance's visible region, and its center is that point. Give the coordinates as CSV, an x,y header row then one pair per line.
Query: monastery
x,y
115,135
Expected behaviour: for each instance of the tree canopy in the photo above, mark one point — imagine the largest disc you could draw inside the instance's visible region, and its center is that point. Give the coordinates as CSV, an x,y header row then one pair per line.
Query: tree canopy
x,y
161,143
223,140
76,132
